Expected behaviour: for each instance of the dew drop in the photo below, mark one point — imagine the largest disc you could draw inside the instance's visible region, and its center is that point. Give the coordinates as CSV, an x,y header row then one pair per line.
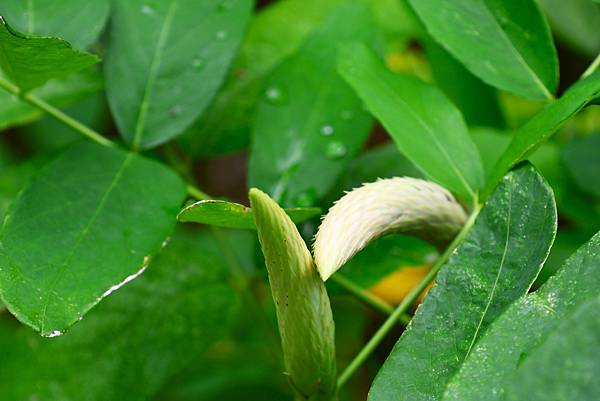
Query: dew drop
x,y
327,130
52,334
275,95
147,10
175,111
306,198
336,150
221,35
198,64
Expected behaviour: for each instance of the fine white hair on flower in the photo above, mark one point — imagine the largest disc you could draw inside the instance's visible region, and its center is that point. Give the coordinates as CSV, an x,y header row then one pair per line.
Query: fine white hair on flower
x,y
394,205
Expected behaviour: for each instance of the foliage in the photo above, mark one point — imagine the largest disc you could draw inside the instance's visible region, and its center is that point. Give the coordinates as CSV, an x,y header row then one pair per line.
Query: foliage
x,y
122,279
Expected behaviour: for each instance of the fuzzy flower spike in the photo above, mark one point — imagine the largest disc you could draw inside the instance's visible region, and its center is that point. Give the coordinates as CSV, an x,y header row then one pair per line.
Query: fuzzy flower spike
x,y
395,205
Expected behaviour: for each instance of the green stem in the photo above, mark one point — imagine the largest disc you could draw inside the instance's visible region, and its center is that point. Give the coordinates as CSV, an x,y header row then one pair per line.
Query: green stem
x,y
56,113
196,193
367,297
405,304
593,67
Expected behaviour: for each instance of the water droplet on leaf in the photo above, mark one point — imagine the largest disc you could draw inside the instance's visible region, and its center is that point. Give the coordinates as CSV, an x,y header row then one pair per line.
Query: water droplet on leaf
x,y
221,35
327,130
336,150
198,63
147,10
275,95
175,111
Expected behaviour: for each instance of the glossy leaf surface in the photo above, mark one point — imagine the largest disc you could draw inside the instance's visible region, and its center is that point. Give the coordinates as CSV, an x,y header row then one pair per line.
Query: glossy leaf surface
x,y
87,223
507,43
435,139
31,61
495,265
233,215
165,62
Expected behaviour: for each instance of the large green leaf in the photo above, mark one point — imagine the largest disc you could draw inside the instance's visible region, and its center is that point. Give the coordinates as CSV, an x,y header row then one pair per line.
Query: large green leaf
x,y
136,340
575,22
77,21
309,122
276,32
31,61
507,43
564,367
86,224
537,130
14,111
166,60
524,326
425,125
477,101
233,215
496,264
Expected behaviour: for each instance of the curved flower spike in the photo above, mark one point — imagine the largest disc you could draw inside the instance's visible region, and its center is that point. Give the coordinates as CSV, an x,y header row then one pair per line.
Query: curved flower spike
x,y
394,205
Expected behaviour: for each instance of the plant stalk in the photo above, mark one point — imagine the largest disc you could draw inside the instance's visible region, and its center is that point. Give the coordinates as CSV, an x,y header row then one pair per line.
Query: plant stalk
x,y
378,337
366,297
56,113
593,67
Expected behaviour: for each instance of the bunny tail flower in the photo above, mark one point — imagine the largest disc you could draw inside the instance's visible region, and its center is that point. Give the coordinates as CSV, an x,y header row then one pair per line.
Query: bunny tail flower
x,y
395,205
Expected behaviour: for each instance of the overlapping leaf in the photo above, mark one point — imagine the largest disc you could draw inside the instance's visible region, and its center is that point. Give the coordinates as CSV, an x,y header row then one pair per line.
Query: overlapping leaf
x,y
31,61
233,215
507,43
495,265
309,122
425,125
513,337
86,224
77,21
166,60
134,342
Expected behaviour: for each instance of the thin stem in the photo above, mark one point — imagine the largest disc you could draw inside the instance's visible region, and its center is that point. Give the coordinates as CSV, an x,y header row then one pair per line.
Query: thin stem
x,y
56,113
405,304
196,193
593,67
367,297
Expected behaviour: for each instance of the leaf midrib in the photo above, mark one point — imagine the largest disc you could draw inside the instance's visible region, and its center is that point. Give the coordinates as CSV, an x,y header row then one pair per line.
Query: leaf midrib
x,y
152,74
518,55
63,267
430,133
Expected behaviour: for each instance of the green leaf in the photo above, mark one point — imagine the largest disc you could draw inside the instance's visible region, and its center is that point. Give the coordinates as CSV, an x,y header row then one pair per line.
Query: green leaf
x,y
31,61
497,263
507,43
86,224
135,341
564,366
576,23
165,62
77,21
477,101
582,159
537,130
309,122
233,215
275,32
303,311
526,325
63,92
434,138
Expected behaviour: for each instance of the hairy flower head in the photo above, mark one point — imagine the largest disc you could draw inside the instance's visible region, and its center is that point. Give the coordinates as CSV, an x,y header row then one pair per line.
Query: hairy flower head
x,y
395,205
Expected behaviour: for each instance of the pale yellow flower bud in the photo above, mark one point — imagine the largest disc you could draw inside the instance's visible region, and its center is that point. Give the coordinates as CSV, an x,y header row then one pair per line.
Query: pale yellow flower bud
x,y
395,205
